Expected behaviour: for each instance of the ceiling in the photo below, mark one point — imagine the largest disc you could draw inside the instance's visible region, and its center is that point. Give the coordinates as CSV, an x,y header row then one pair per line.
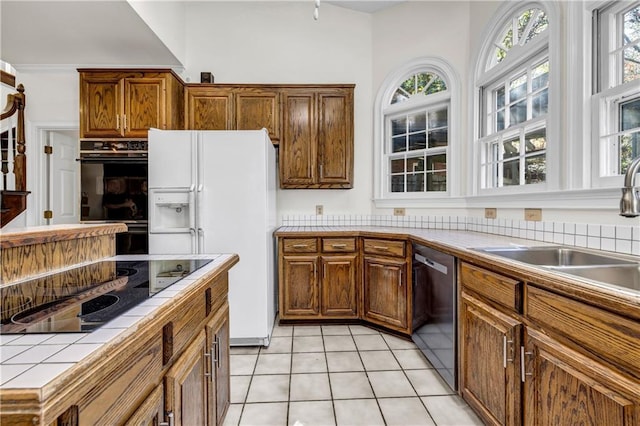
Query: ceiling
x,y
93,33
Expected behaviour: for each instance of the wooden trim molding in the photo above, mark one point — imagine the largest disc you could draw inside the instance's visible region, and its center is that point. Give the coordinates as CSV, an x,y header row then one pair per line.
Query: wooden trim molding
x,y
8,79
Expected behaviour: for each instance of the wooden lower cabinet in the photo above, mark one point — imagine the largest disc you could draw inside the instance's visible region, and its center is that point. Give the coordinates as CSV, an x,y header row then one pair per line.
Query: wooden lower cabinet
x,y
318,280
186,396
563,387
151,411
339,288
385,292
490,356
218,392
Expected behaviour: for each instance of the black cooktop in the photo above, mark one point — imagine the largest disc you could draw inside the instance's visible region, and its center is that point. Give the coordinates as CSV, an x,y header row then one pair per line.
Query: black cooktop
x,y
84,298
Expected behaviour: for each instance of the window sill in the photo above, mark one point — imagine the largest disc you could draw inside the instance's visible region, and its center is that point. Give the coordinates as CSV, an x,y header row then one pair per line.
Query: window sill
x,y
592,199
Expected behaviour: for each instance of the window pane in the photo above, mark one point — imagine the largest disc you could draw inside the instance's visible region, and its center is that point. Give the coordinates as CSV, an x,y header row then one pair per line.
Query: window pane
x,y
399,96
540,24
632,24
398,126
435,85
499,95
631,63
630,114
399,144
437,181
518,112
397,165
535,169
500,120
415,164
540,76
409,85
540,103
536,140
417,122
437,162
511,148
511,173
629,149
438,118
417,141
438,138
518,89
415,182
397,183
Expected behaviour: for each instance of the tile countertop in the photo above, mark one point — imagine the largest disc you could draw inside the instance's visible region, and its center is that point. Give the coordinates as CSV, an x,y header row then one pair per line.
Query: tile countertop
x,y
33,360
462,243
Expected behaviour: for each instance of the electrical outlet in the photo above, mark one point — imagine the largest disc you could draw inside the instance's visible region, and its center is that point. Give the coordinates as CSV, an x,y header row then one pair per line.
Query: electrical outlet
x,y
534,215
319,209
398,211
490,213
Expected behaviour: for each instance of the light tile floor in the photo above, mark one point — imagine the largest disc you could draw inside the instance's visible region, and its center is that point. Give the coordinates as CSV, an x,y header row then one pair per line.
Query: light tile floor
x,y
339,375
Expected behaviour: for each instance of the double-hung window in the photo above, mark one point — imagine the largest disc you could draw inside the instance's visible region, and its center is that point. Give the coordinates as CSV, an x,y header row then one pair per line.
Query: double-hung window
x,y
416,136
513,87
616,105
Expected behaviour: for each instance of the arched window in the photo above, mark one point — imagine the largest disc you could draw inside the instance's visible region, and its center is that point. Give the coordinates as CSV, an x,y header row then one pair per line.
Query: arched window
x,y
413,119
513,82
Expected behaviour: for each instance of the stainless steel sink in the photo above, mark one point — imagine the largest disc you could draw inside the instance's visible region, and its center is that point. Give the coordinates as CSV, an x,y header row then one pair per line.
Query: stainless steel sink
x,y
555,256
627,276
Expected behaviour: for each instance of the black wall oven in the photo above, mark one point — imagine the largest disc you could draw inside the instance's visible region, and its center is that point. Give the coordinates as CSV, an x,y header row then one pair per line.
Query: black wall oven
x,y
113,184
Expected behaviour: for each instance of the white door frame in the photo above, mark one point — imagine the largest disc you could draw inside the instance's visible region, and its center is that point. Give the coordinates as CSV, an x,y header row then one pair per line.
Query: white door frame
x,y
36,162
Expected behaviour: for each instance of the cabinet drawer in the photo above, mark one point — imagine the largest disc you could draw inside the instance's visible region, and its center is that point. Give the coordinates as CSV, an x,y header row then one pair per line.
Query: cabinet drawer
x,y
338,244
497,288
600,332
384,247
300,245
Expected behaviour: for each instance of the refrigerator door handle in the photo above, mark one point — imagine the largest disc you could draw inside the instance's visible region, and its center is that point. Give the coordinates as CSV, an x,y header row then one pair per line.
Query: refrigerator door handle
x,y
194,241
201,241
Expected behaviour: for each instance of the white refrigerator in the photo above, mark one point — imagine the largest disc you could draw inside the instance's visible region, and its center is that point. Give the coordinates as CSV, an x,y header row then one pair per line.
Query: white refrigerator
x,y
215,192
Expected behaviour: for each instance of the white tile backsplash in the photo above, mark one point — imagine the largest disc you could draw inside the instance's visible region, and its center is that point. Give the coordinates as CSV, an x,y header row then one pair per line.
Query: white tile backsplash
x,y
623,239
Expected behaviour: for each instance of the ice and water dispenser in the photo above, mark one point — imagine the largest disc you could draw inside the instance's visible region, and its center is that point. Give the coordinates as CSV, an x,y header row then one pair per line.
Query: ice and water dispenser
x,y
170,211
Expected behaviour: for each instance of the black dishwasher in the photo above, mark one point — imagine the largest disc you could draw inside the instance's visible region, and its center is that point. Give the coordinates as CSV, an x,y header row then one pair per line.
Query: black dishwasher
x,y
434,310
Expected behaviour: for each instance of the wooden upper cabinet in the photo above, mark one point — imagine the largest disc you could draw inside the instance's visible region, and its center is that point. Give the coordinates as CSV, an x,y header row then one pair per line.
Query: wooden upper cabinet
x,y
209,108
298,148
257,108
316,150
126,103
233,107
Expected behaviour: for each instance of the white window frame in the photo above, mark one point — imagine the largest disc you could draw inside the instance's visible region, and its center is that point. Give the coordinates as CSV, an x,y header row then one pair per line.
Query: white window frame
x,y
518,57
608,93
383,110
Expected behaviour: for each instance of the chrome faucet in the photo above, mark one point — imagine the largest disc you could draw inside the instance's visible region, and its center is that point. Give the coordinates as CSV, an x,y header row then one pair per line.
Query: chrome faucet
x,y
630,202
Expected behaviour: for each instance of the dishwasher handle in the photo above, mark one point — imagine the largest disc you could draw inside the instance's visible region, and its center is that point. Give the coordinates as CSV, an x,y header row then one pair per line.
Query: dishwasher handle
x,y
431,264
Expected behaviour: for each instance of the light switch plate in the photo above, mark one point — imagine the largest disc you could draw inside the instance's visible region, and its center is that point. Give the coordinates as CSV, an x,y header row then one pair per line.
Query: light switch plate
x,y
534,215
490,213
398,211
319,209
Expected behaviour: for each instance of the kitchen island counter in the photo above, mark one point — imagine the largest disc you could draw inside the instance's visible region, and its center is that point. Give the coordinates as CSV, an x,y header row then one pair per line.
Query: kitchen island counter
x,y
42,375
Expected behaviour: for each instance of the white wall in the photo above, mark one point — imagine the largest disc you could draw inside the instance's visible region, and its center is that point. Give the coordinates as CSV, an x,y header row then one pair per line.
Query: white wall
x,y
279,42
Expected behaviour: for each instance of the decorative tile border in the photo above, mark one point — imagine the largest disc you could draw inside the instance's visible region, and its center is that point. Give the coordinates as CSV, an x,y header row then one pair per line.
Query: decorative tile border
x,y
615,238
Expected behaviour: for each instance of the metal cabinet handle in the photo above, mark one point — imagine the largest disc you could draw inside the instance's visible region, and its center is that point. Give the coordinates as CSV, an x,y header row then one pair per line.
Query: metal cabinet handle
x,y
208,355
117,122
504,351
381,247
522,370
300,245
170,422
400,282
338,245
124,119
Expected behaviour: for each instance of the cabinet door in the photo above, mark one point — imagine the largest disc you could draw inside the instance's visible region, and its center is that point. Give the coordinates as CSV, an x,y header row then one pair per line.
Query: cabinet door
x,y
100,106
218,343
298,146
300,286
335,138
209,108
385,292
339,286
186,385
563,387
144,105
257,109
489,377
150,412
